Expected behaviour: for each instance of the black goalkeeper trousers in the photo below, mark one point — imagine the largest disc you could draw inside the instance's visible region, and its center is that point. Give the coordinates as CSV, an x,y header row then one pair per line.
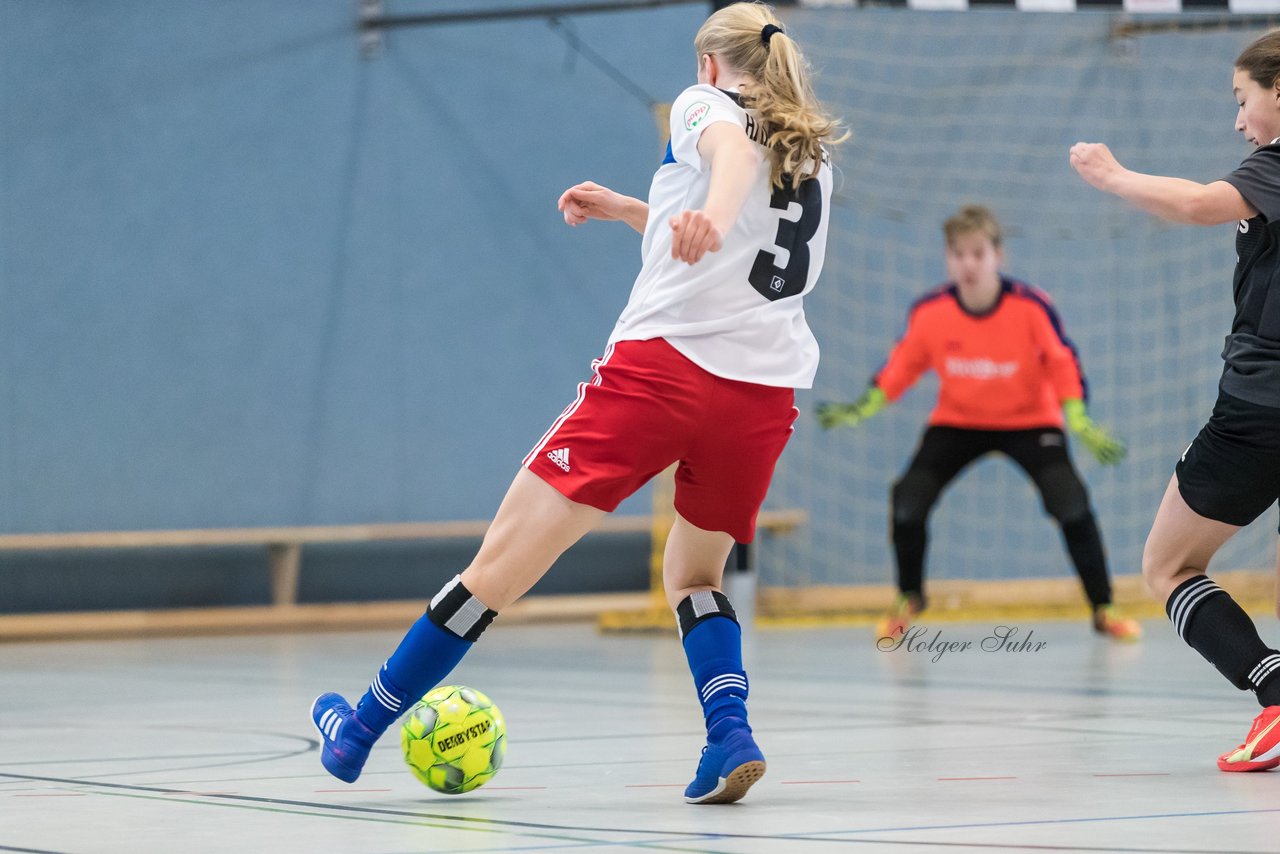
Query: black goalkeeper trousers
x,y
1042,453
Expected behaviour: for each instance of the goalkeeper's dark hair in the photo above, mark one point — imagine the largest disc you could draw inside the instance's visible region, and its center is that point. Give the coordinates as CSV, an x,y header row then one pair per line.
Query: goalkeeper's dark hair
x,y
1261,60
796,125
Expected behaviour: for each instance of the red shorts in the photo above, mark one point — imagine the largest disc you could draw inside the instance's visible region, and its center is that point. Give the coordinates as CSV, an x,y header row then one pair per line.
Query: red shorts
x,y
648,407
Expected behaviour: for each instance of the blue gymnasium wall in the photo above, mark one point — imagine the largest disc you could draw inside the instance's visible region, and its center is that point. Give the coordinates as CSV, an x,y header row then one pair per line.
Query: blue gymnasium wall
x,y
249,278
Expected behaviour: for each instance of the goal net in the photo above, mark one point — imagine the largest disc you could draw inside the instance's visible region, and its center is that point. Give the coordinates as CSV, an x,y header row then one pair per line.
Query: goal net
x,y
982,106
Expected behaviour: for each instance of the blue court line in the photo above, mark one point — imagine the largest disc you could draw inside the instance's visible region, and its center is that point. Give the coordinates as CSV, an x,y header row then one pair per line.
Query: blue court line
x,y
978,825
896,843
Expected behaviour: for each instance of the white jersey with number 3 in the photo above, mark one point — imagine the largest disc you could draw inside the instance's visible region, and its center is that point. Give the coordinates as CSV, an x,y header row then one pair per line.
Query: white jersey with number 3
x,y
737,313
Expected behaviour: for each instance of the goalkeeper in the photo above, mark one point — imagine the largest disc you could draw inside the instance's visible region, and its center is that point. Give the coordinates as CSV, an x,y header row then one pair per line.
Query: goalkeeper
x,y
1009,375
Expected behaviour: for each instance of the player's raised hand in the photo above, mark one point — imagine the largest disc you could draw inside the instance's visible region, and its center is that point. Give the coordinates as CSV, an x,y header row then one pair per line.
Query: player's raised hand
x,y
590,200
1095,163
693,234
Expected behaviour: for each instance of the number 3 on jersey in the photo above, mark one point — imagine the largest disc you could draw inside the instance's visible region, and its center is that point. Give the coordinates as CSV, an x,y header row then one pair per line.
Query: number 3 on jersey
x,y
770,280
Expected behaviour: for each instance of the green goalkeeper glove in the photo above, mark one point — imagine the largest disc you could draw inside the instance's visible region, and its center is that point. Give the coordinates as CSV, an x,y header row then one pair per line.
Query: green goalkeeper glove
x,y
1105,448
851,414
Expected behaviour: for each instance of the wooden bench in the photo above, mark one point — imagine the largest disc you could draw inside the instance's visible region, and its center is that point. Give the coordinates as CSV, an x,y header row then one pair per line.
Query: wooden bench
x,y
284,548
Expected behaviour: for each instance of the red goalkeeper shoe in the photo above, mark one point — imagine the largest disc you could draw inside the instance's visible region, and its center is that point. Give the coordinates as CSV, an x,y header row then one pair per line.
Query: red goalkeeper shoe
x,y
895,623
1261,748
1105,622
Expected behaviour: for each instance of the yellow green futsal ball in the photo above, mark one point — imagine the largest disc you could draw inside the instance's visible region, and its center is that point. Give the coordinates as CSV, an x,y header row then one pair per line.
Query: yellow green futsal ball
x,y
454,739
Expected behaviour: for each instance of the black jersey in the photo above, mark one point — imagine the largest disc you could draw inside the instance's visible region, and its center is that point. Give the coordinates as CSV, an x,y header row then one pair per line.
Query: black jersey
x,y
1252,350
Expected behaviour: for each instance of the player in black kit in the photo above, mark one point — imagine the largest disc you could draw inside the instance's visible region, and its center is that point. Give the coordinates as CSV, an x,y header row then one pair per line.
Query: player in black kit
x,y
1230,473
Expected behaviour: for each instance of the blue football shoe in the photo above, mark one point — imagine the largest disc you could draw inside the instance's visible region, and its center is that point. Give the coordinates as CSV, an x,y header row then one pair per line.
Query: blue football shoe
x,y
344,741
731,762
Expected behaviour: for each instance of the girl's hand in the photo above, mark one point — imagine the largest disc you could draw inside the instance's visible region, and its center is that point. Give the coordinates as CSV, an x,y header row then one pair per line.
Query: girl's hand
x,y
1095,163
693,234
589,200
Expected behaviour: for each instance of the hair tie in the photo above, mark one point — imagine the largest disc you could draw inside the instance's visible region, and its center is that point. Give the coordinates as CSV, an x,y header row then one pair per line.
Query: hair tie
x,y
768,31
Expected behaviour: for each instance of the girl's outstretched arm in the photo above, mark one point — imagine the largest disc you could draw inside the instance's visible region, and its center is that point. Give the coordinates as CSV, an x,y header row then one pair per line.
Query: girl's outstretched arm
x,y
1175,199
734,160
590,200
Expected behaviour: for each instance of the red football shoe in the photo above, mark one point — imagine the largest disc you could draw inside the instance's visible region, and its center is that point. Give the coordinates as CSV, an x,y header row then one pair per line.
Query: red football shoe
x,y
1261,748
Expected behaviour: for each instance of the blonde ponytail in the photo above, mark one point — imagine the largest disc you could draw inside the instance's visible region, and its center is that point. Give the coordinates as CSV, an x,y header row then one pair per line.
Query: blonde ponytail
x,y
796,126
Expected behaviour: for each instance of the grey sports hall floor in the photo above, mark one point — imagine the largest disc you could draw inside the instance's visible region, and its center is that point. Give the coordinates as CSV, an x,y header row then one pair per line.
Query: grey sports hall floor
x,y
204,745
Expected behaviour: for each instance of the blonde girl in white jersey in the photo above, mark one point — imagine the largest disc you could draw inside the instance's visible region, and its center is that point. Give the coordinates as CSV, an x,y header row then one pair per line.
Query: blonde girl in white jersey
x,y
699,371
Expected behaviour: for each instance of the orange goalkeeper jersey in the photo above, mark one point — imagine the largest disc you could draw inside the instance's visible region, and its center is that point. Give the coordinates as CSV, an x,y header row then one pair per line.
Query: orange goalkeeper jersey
x,y
1007,369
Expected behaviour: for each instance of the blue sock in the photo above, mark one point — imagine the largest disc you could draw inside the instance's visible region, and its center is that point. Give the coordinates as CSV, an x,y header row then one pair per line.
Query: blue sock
x,y
713,646
431,648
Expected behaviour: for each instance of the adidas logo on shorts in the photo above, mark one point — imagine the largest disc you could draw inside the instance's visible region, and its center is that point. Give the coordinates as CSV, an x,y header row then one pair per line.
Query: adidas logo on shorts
x,y
560,457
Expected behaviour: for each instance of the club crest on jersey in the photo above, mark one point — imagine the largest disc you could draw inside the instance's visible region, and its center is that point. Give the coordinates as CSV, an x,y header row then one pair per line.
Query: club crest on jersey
x,y
695,114
777,284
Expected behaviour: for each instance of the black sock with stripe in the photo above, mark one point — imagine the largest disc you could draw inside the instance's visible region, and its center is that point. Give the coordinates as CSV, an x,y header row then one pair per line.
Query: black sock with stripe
x,y
1210,621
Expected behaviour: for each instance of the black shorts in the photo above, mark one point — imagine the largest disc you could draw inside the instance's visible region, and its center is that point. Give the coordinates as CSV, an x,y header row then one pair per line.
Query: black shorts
x,y
1231,472
945,451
